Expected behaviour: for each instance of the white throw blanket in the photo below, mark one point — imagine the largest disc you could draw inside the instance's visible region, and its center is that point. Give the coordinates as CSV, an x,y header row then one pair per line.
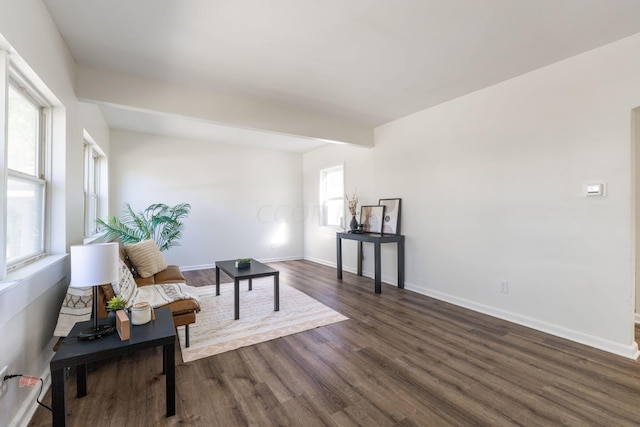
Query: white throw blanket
x,y
77,304
161,294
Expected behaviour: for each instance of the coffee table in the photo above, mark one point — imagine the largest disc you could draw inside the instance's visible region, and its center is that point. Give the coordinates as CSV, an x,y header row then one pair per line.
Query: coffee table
x,y
73,352
257,269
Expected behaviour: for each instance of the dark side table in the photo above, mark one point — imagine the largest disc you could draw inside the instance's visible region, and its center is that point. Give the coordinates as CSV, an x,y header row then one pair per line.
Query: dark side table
x,y
72,352
377,240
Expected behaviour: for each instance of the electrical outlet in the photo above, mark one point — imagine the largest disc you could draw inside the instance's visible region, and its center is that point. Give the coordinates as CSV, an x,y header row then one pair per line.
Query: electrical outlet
x,y
504,287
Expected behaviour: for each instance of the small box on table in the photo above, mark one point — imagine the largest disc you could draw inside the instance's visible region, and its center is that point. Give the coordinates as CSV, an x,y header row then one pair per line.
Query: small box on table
x,y
123,325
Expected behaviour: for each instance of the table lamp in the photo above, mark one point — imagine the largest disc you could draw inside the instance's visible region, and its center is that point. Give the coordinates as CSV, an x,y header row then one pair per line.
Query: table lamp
x,y
94,265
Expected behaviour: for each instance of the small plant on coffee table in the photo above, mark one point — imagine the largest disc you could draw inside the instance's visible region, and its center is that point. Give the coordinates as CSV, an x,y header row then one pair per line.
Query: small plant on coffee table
x,y
242,263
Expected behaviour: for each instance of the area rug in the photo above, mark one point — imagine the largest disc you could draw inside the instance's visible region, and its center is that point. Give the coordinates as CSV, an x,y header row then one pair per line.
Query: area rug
x,y
215,330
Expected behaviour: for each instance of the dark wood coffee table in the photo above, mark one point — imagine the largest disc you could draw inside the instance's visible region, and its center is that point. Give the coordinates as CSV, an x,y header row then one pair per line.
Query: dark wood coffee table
x,y
72,352
257,269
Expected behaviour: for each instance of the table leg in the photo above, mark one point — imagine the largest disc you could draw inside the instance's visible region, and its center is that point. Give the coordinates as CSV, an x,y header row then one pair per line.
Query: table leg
x,y
401,264
276,291
339,257
81,380
359,258
236,297
164,361
250,284
217,281
57,398
170,378
378,268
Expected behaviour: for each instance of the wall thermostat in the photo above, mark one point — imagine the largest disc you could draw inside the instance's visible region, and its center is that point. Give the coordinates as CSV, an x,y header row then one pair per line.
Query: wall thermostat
x,y
594,189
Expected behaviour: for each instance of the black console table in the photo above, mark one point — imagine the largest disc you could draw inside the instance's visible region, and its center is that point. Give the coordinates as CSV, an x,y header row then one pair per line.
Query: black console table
x,y
377,240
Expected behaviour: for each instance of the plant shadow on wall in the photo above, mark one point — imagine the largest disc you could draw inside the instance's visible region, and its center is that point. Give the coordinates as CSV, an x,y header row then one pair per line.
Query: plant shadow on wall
x,y
159,222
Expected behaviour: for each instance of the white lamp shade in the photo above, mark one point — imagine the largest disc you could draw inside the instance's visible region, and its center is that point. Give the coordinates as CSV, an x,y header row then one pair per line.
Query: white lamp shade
x,y
93,265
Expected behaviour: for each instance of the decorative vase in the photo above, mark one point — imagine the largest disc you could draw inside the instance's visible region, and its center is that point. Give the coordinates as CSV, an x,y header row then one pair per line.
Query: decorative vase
x,y
111,317
353,224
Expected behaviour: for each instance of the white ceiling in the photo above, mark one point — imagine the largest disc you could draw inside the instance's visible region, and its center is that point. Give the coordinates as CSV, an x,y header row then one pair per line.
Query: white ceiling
x,y
369,61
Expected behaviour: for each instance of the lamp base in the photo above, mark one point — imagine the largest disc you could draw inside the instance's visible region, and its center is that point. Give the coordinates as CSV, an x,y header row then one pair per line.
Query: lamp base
x,y
93,333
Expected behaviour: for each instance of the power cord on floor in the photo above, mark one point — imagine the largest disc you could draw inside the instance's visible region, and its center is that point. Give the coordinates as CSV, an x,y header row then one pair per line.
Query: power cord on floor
x,y
8,377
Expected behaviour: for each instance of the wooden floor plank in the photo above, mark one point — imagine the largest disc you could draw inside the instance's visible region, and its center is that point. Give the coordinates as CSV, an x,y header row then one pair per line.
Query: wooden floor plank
x,y
401,359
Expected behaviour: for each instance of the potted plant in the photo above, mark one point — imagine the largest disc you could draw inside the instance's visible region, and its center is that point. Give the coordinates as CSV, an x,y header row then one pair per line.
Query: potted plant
x,y
242,263
159,222
113,305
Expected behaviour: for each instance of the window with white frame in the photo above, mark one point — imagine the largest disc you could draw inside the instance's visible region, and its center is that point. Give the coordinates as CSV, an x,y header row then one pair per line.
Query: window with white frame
x,y
26,184
93,158
332,196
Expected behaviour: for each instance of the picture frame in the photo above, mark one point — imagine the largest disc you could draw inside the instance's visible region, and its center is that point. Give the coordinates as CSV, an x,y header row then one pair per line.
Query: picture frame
x,y
391,223
371,218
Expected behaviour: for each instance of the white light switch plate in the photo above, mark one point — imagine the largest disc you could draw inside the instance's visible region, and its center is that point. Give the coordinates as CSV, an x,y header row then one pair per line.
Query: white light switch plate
x,y
596,189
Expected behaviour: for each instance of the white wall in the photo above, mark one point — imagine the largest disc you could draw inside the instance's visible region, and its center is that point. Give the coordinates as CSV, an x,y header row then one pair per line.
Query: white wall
x,y
95,125
241,197
29,307
492,190
97,130
635,187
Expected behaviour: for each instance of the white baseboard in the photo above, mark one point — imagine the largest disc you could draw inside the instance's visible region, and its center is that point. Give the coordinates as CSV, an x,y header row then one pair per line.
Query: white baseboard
x,y
213,265
197,267
30,405
333,265
630,351
320,261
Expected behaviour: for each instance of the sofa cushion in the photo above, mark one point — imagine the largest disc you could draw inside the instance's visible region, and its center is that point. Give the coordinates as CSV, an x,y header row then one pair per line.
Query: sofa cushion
x,y
146,258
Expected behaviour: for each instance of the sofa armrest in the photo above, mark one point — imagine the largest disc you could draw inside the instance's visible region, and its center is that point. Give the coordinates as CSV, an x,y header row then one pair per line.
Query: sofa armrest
x,y
171,274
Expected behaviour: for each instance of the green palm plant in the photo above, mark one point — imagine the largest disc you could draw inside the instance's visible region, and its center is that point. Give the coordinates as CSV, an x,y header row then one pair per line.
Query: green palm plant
x,y
159,222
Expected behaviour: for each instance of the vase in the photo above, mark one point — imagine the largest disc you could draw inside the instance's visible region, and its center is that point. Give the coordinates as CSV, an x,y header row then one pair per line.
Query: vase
x,y
353,224
111,317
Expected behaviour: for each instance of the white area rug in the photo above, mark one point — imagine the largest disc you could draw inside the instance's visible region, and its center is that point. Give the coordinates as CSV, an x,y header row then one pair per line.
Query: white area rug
x,y
215,330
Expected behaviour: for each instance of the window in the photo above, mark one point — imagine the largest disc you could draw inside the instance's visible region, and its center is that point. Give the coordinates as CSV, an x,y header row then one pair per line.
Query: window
x,y
332,196
92,175
26,185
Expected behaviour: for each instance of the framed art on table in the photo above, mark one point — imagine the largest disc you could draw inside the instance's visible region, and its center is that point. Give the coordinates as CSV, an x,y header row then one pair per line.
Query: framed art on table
x,y
391,223
371,218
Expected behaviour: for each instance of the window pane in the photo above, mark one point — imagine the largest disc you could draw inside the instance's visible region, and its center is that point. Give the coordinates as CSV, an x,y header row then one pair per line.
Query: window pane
x,y
23,134
332,196
92,226
25,202
334,212
92,188
335,186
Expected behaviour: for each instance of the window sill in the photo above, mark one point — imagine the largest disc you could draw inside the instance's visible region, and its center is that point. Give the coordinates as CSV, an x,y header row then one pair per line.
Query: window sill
x,y
16,276
94,239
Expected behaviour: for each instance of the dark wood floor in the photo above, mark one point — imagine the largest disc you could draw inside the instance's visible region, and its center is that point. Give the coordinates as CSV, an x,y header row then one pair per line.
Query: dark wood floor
x,y
401,359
